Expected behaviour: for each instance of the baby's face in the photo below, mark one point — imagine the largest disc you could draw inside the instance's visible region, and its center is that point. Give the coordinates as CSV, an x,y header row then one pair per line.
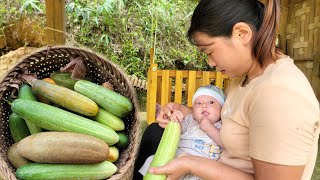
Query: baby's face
x,y
206,107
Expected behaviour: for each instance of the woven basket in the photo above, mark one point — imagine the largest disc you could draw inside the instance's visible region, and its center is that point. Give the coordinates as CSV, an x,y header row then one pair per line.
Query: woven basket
x,y
51,59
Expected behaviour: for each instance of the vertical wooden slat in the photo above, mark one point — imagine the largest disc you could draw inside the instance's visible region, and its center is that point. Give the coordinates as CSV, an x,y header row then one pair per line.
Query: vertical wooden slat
x,y
205,78
55,17
316,76
198,83
283,24
226,82
148,91
219,79
170,88
159,80
316,45
164,87
178,87
191,87
152,93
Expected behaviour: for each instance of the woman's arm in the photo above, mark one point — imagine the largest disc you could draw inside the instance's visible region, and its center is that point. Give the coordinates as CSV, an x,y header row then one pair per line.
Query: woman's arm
x,y
166,111
264,170
204,168
208,169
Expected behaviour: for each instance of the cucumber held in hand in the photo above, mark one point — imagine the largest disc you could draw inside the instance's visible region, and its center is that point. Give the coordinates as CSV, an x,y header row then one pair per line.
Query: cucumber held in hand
x,y
107,99
39,171
56,119
166,150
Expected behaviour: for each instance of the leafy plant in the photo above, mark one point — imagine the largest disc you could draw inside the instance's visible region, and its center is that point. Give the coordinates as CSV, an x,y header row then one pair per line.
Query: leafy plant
x,y
31,5
125,30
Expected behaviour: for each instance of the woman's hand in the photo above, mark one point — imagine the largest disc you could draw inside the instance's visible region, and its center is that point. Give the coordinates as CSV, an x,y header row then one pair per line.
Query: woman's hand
x,y
174,169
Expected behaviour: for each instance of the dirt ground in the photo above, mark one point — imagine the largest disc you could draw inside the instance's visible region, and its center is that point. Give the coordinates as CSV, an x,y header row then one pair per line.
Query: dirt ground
x,y
10,59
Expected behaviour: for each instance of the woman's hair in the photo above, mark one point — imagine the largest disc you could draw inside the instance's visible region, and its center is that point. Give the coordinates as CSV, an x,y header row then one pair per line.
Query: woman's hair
x,y
217,18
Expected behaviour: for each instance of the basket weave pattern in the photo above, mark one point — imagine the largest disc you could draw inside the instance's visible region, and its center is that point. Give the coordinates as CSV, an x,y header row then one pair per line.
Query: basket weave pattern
x,y
51,59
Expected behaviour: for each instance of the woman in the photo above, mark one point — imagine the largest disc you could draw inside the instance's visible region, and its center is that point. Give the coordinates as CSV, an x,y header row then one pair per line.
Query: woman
x,y
271,116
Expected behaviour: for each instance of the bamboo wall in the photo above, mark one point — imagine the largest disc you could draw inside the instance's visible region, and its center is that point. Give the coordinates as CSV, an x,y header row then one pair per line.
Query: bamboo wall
x,y
301,19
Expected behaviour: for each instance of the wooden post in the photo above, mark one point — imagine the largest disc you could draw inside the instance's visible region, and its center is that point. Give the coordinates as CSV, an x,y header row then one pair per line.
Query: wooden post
x,y
315,82
283,25
55,17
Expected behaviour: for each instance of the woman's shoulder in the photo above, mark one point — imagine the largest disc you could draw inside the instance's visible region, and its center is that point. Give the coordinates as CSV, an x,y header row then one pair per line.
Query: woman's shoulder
x,y
284,78
283,73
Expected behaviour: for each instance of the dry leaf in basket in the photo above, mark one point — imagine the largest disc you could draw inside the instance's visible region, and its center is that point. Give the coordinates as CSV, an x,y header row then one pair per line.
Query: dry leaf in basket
x,y
107,85
76,67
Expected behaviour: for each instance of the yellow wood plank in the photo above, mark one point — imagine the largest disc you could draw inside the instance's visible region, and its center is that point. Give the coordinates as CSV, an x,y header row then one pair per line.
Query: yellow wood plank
x,y
219,80
164,87
205,78
191,87
178,87
148,90
185,74
225,83
170,89
152,88
198,83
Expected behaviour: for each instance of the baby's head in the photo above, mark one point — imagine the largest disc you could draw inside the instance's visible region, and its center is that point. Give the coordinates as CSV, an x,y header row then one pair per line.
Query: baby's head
x,y
207,103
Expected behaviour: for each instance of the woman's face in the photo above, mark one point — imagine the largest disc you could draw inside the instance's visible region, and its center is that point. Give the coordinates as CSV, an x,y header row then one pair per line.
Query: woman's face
x,y
206,107
229,55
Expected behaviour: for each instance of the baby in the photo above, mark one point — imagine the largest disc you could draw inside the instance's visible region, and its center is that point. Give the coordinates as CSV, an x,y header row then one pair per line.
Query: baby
x,y
200,130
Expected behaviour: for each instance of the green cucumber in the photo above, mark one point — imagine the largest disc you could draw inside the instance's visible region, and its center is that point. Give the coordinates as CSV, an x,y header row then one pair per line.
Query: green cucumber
x,y
25,92
110,120
109,100
39,171
123,140
63,79
56,119
18,127
166,150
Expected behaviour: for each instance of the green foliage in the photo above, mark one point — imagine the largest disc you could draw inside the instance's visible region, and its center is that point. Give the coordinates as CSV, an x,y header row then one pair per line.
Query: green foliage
x,y
31,5
7,12
14,10
125,30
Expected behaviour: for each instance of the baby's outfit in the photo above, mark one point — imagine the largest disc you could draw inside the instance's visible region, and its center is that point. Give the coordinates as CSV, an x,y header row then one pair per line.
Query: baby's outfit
x,y
193,141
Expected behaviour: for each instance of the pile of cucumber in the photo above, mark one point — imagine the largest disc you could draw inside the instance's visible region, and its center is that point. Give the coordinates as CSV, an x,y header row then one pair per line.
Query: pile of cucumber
x,y
67,129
